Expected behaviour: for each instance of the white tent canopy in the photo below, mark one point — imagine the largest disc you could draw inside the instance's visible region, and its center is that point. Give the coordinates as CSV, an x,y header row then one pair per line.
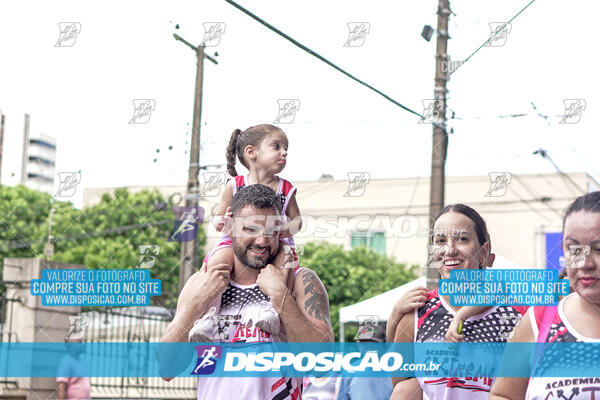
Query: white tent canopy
x,y
382,304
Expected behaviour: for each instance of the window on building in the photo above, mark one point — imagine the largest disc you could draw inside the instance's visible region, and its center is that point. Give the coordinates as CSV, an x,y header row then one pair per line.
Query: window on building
x,y
372,239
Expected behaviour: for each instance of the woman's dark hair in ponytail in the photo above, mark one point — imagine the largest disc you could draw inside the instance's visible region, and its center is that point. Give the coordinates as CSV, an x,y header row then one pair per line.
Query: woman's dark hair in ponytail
x,y
252,136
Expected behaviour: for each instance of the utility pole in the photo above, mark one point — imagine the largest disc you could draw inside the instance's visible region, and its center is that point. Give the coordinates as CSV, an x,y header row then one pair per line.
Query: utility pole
x,y
25,159
440,136
189,250
49,246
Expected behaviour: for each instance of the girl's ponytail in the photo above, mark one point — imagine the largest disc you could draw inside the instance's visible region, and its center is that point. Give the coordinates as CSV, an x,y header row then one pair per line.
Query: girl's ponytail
x,y
239,140
232,152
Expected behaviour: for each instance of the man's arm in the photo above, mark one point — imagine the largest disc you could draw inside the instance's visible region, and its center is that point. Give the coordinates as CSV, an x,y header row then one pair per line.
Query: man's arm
x,y
193,302
61,390
310,296
408,389
305,312
63,372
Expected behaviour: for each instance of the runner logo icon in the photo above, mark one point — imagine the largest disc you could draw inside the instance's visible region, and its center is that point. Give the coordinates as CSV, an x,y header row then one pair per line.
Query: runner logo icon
x,y
207,359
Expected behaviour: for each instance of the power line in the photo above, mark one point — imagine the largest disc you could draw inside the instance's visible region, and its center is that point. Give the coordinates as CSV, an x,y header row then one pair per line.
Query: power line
x,y
412,197
545,117
326,61
410,204
585,162
503,116
535,197
544,154
492,35
522,200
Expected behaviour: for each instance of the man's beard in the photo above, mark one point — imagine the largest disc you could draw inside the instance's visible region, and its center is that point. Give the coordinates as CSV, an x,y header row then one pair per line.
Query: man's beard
x,y
254,263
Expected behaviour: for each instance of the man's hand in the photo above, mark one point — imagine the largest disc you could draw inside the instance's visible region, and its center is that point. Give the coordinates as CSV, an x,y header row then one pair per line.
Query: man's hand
x,y
216,280
198,292
272,282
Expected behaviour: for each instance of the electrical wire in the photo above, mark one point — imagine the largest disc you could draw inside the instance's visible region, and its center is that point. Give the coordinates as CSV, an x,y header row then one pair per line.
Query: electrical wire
x,y
596,173
544,154
527,203
326,61
410,205
534,196
515,115
491,36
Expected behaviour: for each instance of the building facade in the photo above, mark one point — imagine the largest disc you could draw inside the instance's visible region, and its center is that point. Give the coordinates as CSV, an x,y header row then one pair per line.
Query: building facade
x,y
39,160
523,212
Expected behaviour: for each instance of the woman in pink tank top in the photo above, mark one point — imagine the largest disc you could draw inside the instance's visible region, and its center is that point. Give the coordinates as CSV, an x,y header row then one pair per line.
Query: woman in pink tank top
x,y
577,317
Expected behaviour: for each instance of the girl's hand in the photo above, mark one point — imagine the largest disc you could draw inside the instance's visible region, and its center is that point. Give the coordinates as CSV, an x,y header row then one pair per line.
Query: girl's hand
x,y
452,335
414,298
227,216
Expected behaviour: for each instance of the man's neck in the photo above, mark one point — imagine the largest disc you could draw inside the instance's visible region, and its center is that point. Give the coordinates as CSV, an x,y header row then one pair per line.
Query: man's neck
x,y
242,274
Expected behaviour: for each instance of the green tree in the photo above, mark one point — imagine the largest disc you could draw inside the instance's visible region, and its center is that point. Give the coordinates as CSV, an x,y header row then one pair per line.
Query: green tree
x,y
104,236
23,221
353,276
23,213
146,219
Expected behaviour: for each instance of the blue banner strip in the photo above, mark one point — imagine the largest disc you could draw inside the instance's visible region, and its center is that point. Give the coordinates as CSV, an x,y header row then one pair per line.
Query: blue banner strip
x,y
136,359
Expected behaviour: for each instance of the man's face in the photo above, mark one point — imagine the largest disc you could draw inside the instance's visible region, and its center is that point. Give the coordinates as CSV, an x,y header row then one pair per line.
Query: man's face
x,y
255,236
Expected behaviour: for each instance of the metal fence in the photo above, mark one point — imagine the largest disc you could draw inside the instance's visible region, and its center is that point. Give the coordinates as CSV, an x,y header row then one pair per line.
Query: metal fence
x,y
132,324
6,329
6,335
